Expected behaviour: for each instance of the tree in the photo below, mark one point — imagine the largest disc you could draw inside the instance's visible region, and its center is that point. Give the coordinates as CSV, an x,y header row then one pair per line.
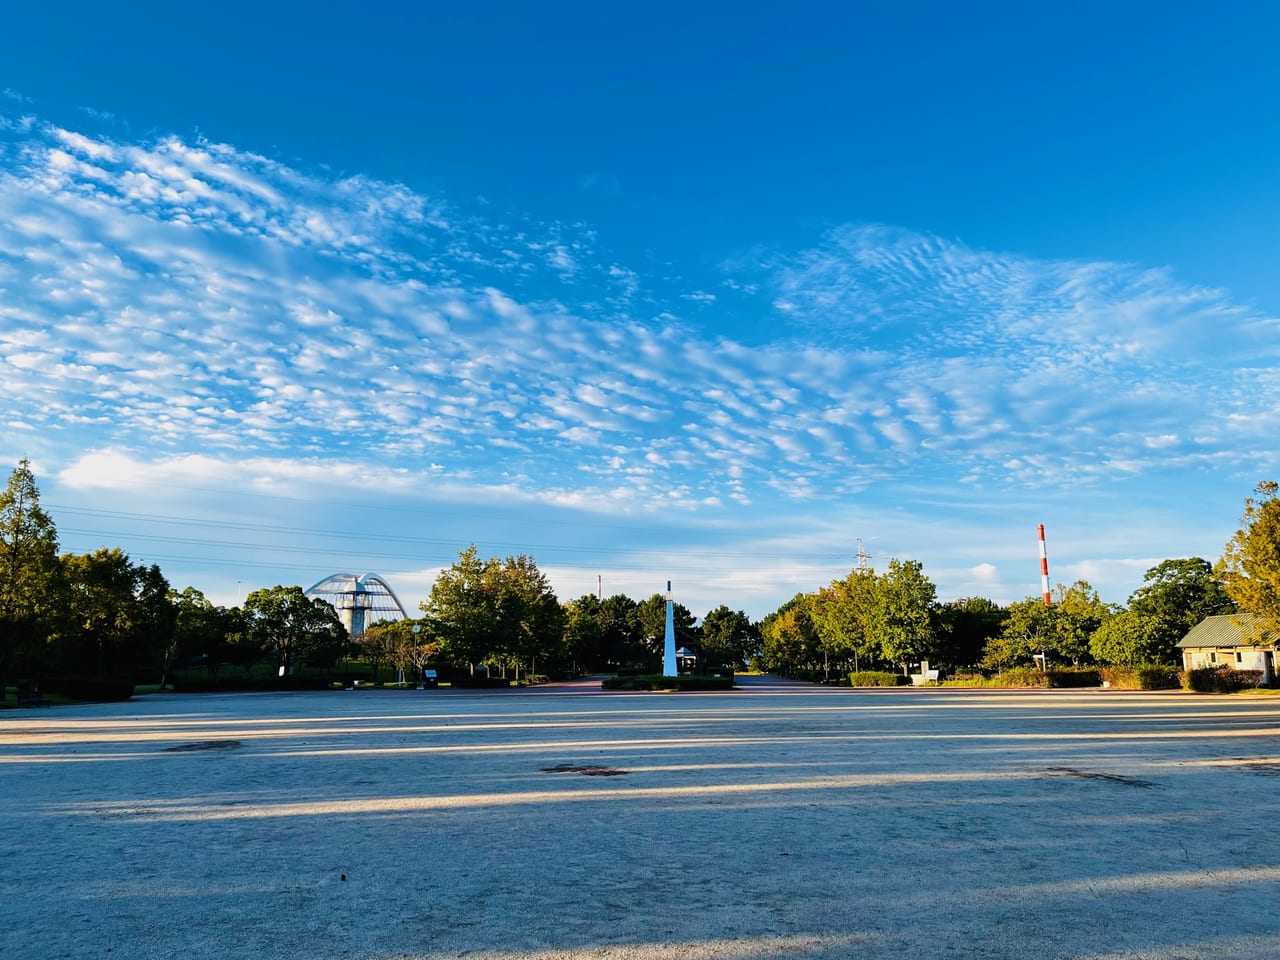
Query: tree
x,y
1182,593
790,644
964,627
199,632
903,616
1250,564
728,637
30,575
1080,611
290,626
122,616
462,609
1060,630
1132,638
842,615
584,631
622,637
500,610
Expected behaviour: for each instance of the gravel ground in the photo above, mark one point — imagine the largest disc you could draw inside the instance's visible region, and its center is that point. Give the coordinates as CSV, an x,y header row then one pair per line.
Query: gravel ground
x,y
778,820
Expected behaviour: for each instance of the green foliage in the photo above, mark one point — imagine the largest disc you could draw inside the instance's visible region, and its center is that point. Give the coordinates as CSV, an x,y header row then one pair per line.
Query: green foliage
x,y
964,627
876,678
292,627
121,617
1250,564
1020,677
1181,593
729,638
902,615
1061,630
1142,677
1221,679
493,610
31,592
1133,637
653,682
790,643
1033,677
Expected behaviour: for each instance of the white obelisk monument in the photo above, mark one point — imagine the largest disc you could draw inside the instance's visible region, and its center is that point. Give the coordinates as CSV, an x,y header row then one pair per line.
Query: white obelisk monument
x,y
669,666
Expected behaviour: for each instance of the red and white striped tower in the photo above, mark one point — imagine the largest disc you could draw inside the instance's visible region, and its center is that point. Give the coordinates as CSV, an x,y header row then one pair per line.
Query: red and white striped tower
x,y
1044,568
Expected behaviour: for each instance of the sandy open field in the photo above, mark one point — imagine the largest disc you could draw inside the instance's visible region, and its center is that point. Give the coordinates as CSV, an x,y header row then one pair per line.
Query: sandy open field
x,y
774,821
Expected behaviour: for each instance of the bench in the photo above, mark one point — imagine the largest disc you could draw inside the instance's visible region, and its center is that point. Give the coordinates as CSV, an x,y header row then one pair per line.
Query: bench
x,y
924,676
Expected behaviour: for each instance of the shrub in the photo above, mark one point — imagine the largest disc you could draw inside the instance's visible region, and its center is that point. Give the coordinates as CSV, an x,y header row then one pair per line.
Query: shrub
x,y
479,682
876,678
652,682
1221,679
94,689
1083,677
1146,676
1020,677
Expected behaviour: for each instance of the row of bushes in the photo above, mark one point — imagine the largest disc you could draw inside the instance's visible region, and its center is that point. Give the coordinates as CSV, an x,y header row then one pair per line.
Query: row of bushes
x,y
1221,680
1142,677
653,682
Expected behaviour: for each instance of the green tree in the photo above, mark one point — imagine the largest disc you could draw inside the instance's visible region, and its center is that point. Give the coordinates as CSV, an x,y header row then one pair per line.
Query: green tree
x,y
502,611
584,631
1080,611
462,609
843,614
790,644
1029,628
1250,564
729,638
903,616
31,594
1182,592
292,627
199,632
1060,631
622,638
964,627
1132,637
122,615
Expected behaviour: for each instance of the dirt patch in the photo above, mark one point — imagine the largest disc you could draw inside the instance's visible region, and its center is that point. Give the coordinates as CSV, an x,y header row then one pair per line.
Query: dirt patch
x,y
1109,777
203,745
585,771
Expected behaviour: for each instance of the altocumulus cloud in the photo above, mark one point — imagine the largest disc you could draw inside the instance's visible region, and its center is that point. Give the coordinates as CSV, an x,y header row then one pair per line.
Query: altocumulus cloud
x,y
168,298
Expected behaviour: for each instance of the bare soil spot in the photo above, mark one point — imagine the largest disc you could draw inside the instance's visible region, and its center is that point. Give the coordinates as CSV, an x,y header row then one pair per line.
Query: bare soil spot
x,y
587,771
1109,777
203,745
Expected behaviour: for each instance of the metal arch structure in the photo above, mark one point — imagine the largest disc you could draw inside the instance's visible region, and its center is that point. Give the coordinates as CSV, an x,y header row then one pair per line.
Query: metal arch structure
x,y
360,599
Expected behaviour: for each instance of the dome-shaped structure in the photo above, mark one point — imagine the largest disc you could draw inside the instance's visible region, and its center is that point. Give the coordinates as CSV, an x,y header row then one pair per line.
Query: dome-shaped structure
x,y
360,599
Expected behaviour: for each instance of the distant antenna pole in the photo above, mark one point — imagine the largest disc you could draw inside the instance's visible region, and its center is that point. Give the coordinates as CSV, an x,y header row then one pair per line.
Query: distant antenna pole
x,y
1044,568
863,557
599,587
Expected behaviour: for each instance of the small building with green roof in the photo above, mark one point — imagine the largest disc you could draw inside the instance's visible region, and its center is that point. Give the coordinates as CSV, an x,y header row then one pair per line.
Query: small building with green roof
x,y
1233,640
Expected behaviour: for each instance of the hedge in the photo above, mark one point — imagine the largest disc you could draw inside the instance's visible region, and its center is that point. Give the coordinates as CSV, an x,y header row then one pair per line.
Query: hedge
x,y
877,678
652,682
1144,676
1221,680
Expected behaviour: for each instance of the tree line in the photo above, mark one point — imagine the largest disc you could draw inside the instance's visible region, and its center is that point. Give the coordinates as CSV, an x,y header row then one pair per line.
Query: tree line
x,y
101,614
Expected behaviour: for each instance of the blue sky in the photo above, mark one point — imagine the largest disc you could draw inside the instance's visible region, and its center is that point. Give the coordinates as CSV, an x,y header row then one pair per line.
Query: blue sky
x,y
673,292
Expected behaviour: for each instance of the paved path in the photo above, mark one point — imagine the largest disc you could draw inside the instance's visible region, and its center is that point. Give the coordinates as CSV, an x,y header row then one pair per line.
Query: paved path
x,y
774,821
